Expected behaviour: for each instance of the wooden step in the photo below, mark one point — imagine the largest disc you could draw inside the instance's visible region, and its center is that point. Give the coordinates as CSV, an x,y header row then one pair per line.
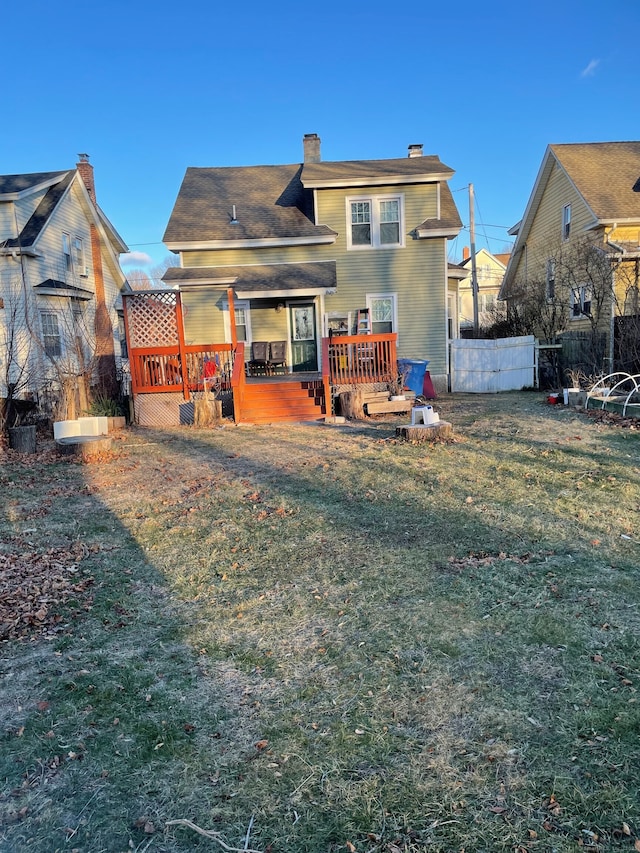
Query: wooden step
x,y
271,402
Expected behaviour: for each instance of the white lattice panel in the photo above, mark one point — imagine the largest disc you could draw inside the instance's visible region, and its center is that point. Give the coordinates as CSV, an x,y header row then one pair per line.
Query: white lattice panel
x,y
152,319
162,410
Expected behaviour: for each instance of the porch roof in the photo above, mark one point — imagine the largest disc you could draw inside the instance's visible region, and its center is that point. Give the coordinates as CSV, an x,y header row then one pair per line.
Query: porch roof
x,y
260,280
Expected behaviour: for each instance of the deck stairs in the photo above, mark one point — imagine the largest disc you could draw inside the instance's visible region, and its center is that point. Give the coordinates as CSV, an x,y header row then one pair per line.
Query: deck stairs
x,y
273,401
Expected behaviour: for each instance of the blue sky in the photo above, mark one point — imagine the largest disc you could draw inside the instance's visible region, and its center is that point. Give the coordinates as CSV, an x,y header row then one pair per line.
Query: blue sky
x,y
148,89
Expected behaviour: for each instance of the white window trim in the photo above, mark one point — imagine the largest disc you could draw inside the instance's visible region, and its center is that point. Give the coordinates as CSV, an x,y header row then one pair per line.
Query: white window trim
x,y
578,296
344,316
394,307
51,313
79,262
238,303
566,222
375,221
550,277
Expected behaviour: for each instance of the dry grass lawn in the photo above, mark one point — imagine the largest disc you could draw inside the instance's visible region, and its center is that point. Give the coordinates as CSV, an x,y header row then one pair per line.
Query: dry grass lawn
x,y
317,638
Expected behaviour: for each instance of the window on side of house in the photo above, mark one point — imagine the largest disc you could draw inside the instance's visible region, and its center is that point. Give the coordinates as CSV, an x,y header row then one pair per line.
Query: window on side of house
x,y
78,256
566,221
243,321
551,279
384,313
51,334
123,337
66,251
580,301
374,222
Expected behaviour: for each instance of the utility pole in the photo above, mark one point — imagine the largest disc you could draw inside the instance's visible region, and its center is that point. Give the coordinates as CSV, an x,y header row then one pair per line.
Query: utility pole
x,y
474,273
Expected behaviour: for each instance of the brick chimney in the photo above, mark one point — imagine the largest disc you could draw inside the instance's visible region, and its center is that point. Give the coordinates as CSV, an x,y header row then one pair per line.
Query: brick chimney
x,y
311,144
85,170
466,254
415,150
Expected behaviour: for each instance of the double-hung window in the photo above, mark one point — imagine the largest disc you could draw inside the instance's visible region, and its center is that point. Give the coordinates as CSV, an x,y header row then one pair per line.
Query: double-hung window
x,y
580,301
51,334
78,256
551,280
242,320
566,221
375,222
66,252
383,310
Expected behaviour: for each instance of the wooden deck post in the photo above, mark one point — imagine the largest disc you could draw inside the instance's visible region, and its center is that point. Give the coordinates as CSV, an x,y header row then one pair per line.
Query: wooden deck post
x,y
232,318
182,346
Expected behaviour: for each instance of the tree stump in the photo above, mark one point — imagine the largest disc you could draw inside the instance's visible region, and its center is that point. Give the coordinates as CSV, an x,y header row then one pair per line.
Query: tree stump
x,y
87,447
432,432
23,439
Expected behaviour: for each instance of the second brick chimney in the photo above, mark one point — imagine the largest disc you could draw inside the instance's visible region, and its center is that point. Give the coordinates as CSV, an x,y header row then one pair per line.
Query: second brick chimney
x,y
85,170
311,144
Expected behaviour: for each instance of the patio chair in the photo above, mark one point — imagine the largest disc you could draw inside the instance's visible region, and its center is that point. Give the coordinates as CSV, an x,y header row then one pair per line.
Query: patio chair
x,y
277,355
259,362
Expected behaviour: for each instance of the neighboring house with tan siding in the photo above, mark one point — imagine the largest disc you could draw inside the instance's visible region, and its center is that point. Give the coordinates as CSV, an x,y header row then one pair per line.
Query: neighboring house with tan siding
x,y
490,270
577,250
306,246
60,284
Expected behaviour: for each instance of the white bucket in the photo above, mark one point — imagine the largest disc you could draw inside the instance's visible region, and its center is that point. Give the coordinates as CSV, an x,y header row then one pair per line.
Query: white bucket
x,y
64,429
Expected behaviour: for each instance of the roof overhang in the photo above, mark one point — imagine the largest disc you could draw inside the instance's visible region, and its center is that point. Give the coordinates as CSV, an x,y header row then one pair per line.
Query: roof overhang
x,y
35,188
53,287
450,233
268,242
376,181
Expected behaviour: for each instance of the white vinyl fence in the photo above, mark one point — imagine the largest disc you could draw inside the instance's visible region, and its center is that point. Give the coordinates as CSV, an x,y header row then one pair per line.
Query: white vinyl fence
x,y
488,366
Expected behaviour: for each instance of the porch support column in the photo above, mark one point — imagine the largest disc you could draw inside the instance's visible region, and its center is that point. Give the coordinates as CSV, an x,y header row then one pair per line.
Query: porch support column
x,y
181,347
232,319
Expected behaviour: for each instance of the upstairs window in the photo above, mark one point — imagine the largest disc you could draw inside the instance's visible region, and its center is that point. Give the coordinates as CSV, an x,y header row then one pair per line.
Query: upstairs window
x,y
551,280
374,222
566,221
66,251
78,256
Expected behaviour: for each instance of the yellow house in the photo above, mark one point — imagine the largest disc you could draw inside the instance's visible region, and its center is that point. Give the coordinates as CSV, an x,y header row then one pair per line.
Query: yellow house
x,y
573,271
490,270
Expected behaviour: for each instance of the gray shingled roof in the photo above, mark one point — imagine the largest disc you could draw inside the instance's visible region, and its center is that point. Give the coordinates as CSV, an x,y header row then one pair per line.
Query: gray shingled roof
x,y
11,184
350,172
449,216
270,202
318,275
43,211
605,174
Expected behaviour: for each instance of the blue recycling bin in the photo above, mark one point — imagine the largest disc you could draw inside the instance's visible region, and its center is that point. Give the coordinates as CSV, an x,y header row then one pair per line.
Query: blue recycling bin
x,y
415,371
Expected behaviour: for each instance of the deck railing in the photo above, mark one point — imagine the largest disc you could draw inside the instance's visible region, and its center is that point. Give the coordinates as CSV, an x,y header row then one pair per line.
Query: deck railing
x,y
356,360
155,369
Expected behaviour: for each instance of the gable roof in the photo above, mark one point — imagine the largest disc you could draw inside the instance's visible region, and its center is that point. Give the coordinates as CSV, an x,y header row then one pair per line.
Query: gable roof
x,y
269,202
41,214
607,176
12,186
55,185
276,202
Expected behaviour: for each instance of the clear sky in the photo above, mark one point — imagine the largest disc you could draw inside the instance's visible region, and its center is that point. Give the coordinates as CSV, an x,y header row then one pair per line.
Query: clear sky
x,y
150,88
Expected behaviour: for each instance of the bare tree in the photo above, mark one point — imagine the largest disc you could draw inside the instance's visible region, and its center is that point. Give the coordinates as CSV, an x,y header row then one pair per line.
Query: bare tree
x,y
18,368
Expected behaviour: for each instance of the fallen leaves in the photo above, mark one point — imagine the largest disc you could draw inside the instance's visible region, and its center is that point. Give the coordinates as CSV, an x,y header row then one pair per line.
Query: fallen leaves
x,y
34,584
